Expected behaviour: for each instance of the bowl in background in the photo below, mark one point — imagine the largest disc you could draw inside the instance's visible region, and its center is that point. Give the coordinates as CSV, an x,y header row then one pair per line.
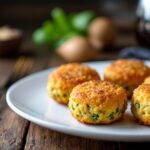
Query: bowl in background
x,y
10,40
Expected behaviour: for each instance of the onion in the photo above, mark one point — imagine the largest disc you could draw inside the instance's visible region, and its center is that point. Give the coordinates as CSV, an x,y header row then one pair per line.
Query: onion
x,y
77,49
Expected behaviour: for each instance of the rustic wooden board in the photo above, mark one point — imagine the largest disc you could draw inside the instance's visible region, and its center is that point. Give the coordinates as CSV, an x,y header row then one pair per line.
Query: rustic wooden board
x,y
41,138
13,128
6,67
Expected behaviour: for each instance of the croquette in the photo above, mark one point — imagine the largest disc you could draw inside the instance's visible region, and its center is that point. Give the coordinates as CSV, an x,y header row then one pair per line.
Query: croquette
x,y
147,80
97,102
141,104
128,73
66,77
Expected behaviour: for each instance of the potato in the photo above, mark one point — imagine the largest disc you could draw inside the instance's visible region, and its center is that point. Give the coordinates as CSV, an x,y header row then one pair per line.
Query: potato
x,y
77,49
101,32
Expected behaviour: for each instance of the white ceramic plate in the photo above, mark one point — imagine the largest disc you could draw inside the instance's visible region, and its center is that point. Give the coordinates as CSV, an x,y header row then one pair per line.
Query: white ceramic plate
x,y
28,98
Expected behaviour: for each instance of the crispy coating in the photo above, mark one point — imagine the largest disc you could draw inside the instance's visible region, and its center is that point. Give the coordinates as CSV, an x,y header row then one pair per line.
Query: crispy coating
x,y
141,104
127,73
97,102
147,80
66,77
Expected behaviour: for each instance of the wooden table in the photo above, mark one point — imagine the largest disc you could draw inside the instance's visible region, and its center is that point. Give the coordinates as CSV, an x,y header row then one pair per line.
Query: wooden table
x,y
17,133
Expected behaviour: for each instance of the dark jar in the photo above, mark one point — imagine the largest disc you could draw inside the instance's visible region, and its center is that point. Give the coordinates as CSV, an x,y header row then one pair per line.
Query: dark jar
x,y
143,23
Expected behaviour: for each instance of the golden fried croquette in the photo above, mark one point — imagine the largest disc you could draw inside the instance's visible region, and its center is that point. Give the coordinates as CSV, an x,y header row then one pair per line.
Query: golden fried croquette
x,y
147,80
141,104
127,73
66,77
97,102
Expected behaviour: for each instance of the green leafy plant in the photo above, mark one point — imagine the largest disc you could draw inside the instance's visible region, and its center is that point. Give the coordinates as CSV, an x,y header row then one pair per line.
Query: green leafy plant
x,y
61,27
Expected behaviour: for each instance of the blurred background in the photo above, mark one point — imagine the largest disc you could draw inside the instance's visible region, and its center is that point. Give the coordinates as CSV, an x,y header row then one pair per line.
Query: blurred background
x,y
27,16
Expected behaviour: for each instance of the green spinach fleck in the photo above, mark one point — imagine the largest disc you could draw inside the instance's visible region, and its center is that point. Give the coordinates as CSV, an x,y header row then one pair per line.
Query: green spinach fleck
x,y
137,105
111,116
95,117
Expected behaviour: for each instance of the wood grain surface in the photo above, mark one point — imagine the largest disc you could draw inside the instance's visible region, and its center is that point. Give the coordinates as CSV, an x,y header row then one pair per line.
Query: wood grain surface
x,y
12,127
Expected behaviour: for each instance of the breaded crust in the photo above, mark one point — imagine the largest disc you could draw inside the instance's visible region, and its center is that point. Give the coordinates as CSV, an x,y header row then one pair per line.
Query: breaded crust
x,y
132,72
97,123
72,74
147,80
127,73
98,92
63,79
97,102
141,104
